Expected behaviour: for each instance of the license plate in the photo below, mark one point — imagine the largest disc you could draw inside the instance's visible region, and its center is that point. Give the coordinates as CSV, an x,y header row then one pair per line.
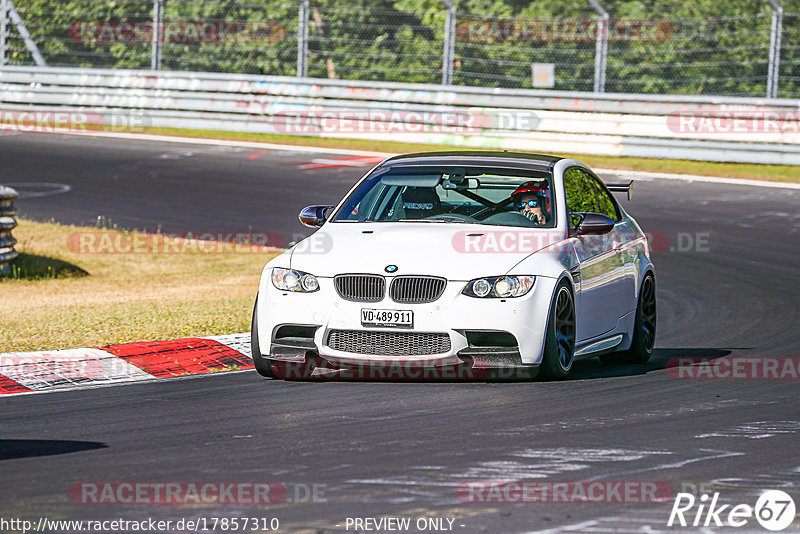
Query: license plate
x,y
372,317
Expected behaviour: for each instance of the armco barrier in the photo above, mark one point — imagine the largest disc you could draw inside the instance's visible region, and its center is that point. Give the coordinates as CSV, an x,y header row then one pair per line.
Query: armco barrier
x,y
7,223
532,120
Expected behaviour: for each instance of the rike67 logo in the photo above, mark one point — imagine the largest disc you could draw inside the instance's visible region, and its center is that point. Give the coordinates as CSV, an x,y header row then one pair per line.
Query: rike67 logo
x,y
774,510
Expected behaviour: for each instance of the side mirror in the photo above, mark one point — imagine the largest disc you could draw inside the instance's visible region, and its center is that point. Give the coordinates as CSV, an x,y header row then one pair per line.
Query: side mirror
x,y
314,216
593,224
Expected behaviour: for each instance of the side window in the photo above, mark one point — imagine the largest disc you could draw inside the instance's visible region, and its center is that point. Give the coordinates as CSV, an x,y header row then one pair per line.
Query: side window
x,y
580,195
361,210
605,204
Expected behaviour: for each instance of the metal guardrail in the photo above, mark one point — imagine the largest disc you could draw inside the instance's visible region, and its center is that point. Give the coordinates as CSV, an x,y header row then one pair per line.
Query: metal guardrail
x,y
8,222
532,120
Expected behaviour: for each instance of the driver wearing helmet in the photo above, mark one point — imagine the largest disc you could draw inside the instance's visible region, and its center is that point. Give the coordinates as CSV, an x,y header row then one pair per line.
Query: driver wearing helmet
x,y
530,201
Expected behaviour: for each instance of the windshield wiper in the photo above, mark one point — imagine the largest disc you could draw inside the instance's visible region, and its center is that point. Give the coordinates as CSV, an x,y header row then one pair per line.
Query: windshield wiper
x,y
431,221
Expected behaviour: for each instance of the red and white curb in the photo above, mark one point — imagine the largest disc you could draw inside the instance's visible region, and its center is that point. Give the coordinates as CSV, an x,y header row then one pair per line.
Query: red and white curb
x,y
26,372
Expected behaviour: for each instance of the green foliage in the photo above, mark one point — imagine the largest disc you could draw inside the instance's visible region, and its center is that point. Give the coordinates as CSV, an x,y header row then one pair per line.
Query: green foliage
x,y
701,47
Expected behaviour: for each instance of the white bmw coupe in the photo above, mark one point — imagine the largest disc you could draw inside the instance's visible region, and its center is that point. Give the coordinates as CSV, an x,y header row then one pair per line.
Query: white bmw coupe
x,y
448,264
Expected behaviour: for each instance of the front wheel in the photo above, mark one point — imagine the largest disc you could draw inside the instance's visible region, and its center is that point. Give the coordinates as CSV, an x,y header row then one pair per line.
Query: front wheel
x,y
262,365
559,347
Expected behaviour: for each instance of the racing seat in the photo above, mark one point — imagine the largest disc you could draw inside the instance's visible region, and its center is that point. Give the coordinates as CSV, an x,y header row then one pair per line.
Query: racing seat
x,y
420,202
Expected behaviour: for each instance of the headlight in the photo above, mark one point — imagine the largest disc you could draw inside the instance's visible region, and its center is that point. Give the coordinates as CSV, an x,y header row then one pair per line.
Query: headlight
x,y
499,286
291,280
481,287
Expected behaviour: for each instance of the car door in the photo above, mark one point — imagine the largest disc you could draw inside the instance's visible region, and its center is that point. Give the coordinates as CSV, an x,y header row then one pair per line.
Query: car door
x,y
624,272
598,262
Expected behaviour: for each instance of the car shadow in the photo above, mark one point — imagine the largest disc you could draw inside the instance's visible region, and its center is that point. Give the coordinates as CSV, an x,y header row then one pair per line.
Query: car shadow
x,y
594,368
588,369
12,449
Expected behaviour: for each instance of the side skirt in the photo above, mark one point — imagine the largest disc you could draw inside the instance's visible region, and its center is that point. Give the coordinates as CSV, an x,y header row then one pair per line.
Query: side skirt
x,y
596,347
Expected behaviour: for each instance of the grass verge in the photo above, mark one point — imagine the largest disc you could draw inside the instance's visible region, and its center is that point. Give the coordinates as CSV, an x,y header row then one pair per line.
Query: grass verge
x,y
102,299
749,171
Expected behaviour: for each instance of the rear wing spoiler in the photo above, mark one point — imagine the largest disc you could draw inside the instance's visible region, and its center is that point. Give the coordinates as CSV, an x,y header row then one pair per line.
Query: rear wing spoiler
x,y
621,188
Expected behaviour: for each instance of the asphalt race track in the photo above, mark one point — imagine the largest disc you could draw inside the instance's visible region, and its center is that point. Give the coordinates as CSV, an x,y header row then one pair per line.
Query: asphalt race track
x,y
727,267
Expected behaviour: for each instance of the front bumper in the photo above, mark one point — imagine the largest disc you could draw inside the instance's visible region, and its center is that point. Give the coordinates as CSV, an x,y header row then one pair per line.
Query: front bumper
x,y
453,314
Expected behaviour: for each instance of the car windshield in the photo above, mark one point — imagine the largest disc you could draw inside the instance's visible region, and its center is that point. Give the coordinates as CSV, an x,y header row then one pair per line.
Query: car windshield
x,y
475,195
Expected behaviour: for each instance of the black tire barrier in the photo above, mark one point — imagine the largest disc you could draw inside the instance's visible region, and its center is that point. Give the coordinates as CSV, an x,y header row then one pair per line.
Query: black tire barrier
x,y
8,222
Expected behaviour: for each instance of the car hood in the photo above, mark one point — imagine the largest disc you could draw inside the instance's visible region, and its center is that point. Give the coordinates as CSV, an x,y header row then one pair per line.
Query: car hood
x,y
453,251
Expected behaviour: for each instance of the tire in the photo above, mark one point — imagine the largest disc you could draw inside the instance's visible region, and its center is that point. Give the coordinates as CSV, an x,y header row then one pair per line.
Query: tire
x,y
644,328
262,365
559,347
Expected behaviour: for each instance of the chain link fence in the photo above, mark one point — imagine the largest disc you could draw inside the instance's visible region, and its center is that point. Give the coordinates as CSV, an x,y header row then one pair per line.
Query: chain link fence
x,y
367,41
739,48
789,80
